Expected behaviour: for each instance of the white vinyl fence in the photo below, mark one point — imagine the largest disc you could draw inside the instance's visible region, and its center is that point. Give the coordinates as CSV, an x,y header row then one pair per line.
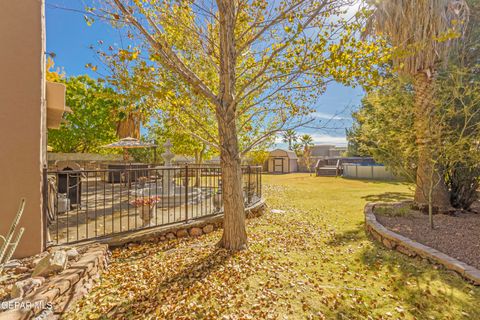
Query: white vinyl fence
x,y
354,171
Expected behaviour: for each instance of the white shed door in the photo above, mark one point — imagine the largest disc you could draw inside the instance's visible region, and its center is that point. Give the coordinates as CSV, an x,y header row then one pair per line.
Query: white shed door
x,y
278,165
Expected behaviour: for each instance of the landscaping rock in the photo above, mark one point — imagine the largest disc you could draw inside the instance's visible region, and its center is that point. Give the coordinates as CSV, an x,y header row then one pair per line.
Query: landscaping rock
x,y
406,251
473,275
37,259
12,264
18,290
388,243
53,262
208,228
21,288
376,235
182,233
162,238
72,254
195,232
170,236
21,269
277,211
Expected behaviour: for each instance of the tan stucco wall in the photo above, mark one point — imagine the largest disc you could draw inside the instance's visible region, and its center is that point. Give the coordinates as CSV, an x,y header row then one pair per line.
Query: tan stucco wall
x,y
22,118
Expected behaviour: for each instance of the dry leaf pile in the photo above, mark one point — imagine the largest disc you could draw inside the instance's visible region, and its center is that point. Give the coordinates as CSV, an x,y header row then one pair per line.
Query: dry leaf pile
x,y
301,264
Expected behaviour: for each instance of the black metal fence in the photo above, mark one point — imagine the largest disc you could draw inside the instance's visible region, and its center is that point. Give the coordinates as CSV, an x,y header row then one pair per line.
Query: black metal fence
x,y
88,204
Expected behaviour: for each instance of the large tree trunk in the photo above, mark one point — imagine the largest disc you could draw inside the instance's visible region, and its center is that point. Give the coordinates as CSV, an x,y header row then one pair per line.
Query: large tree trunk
x,y
426,171
234,233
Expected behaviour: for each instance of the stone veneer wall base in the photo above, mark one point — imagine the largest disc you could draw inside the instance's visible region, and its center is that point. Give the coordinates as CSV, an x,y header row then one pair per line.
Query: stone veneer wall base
x,y
411,248
59,291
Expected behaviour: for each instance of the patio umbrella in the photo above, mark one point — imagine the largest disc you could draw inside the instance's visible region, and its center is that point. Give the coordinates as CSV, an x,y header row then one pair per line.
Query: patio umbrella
x,y
129,143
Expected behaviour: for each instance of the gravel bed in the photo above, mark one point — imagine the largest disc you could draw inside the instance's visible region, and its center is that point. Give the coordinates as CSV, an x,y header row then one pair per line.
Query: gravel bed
x,y
457,236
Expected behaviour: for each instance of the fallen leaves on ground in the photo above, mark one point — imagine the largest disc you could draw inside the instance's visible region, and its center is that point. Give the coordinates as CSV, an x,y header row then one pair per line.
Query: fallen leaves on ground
x,y
307,263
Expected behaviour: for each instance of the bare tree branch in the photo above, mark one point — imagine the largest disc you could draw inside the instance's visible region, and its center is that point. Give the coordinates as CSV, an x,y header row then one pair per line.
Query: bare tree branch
x,y
170,59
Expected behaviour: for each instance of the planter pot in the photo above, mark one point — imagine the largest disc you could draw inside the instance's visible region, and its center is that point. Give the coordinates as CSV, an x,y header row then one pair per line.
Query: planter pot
x,y
146,214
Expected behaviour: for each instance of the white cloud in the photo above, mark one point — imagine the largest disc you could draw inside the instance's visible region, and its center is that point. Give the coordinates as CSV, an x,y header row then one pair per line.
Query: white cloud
x,y
328,139
327,116
340,141
353,9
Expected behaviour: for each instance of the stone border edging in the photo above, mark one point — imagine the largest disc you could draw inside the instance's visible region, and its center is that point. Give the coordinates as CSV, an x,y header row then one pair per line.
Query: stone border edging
x,y
62,289
411,248
194,228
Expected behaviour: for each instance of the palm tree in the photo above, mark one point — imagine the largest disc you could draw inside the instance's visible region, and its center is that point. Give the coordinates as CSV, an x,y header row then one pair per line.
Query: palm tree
x,y
306,141
297,148
289,136
415,26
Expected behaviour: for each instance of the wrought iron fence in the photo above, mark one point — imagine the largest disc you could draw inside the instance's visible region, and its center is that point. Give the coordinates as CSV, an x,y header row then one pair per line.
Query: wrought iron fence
x,y
89,204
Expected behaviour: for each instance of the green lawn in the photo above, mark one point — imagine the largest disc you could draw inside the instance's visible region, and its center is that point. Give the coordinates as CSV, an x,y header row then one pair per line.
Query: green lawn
x,y
312,262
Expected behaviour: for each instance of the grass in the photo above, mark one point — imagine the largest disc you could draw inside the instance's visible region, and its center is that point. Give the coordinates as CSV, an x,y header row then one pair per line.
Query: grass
x,y
312,262
401,210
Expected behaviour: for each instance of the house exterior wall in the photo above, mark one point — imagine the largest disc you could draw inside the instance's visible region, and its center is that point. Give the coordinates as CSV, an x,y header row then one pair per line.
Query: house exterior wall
x,y
336,152
22,118
326,150
321,150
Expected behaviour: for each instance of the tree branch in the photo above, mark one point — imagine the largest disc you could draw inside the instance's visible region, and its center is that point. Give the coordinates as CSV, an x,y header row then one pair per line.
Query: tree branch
x,y
169,57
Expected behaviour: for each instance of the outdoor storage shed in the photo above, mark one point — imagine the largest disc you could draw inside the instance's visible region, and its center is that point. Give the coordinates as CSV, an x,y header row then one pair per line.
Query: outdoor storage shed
x,y
282,161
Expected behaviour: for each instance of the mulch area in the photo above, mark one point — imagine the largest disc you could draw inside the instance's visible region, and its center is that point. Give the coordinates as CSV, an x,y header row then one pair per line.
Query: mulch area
x,y
457,236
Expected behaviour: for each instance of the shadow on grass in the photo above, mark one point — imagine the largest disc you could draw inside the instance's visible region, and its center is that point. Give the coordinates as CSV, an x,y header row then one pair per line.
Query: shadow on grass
x,y
197,270
388,197
373,181
349,236
421,288
194,272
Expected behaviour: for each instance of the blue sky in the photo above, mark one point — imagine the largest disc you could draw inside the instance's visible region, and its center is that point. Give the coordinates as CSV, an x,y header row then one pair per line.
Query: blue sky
x,y
69,37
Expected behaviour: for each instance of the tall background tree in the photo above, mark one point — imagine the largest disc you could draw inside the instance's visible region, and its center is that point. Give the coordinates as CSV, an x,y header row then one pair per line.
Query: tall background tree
x,y
421,33
257,67
384,125
304,150
290,137
92,122
183,142
306,141
460,85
